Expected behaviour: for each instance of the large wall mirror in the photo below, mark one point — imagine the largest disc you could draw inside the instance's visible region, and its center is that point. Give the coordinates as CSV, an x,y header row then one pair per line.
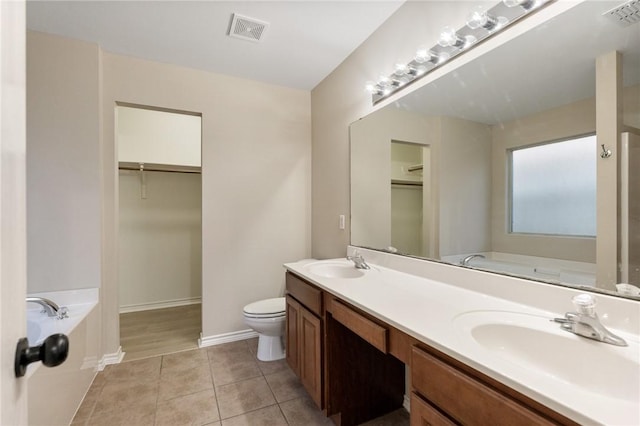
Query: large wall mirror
x,y
494,165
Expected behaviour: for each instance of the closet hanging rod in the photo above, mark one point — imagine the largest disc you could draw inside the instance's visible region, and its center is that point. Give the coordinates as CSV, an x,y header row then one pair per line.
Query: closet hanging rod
x,y
151,167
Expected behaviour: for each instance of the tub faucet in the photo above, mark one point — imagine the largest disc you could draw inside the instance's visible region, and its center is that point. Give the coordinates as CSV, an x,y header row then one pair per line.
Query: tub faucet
x,y
358,260
49,307
585,322
466,260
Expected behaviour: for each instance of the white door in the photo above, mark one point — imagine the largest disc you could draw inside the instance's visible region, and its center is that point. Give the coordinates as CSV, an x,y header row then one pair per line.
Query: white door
x,y
13,392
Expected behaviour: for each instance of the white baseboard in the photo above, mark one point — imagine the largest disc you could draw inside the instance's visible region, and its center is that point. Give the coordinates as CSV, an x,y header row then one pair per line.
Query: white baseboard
x,y
114,358
159,305
226,338
406,403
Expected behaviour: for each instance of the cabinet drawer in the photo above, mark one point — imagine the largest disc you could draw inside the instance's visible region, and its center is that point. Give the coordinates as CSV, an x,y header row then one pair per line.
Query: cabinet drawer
x,y
465,399
373,333
305,293
424,414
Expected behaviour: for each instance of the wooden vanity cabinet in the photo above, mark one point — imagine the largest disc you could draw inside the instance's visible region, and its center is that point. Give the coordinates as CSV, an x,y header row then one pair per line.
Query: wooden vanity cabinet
x,y
343,357
304,342
352,365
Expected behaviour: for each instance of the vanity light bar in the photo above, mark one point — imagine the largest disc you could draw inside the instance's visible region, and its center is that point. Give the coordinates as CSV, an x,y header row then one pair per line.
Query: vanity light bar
x,y
481,24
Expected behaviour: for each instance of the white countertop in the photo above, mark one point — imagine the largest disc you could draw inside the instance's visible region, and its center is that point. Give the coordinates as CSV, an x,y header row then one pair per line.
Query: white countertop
x,y
429,311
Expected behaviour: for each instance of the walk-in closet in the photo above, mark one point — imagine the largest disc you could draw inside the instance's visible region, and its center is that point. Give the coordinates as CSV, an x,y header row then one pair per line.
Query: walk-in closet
x,y
160,230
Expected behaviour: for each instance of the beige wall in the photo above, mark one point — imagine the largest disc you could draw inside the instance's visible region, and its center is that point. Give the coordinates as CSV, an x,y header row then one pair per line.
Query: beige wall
x,y
63,164
465,187
160,240
631,106
255,171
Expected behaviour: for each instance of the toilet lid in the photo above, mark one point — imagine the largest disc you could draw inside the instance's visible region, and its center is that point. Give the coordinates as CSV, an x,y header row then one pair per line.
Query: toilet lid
x,y
266,307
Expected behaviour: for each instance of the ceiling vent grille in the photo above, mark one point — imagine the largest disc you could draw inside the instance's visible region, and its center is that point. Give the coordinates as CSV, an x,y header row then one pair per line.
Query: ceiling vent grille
x,y
625,14
247,28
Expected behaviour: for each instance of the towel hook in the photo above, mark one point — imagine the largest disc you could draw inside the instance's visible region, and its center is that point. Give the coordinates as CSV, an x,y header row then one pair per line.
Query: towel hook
x,y
606,153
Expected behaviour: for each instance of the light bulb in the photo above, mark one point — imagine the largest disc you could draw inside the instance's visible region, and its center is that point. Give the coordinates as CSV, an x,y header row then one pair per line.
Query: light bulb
x,y
422,55
448,37
479,18
401,69
371,87
384,81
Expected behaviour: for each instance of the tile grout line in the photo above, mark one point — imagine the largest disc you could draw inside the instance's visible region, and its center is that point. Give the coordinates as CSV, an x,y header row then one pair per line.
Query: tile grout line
x,y
155,411
264,376
215,392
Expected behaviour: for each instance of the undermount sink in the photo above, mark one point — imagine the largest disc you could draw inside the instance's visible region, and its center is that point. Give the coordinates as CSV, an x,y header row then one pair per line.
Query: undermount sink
x,y
538,344
334,269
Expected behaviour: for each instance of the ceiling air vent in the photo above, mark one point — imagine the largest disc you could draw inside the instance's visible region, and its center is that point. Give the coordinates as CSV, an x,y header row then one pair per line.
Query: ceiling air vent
x,y
247,28
625,14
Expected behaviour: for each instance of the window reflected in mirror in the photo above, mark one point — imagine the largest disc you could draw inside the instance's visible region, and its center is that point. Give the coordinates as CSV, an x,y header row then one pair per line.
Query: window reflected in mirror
x,y
553,188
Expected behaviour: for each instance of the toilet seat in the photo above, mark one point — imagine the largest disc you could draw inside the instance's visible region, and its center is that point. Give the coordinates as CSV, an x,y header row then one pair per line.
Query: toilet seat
x,y
268,308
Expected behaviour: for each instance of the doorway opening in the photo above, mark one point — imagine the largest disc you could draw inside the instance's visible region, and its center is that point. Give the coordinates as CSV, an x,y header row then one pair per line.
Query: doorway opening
x,y
410,198
160,230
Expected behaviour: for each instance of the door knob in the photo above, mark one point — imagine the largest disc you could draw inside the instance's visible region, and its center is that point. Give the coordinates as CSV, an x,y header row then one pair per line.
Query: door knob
x,y
52,352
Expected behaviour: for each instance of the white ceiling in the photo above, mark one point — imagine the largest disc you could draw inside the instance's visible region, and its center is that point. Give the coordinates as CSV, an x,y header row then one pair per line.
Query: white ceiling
x,y
304,42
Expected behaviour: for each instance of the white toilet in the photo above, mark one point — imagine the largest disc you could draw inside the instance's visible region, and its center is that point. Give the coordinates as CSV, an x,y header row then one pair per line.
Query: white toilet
x,y
267,317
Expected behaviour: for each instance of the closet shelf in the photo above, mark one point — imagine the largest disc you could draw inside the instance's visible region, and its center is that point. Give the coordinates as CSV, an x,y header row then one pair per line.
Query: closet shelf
x,y
406,182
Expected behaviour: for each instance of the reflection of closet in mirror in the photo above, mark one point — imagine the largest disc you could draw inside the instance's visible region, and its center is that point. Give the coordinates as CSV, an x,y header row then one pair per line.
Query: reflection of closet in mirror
x,y
160,232
410,179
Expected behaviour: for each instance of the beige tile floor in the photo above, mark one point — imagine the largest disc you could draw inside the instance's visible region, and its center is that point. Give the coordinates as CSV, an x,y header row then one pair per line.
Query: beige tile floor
x,y
222,385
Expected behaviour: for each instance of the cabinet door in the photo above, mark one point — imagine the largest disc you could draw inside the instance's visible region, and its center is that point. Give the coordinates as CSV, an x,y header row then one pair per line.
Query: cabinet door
x,y
310,354
293,321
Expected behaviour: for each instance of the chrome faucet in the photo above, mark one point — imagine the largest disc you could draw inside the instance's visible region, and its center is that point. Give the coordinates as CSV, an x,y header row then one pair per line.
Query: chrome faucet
x,y
466,260
49,307
585,322
358,260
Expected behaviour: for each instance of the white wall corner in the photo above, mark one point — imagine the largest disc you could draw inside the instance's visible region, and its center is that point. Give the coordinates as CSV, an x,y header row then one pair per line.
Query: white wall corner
x,y
113,358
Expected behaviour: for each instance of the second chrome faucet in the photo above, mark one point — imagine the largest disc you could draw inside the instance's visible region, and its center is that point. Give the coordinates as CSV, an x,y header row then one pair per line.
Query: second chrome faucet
x,y
585,322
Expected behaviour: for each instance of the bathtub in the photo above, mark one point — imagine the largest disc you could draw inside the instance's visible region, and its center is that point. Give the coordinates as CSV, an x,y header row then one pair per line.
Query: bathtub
x,y
553,270
54,394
